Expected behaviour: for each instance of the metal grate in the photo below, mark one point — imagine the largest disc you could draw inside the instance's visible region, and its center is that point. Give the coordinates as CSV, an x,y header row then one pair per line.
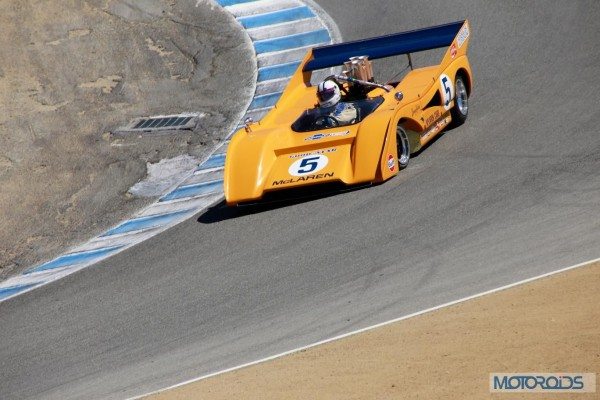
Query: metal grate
x,y
162,123
172,122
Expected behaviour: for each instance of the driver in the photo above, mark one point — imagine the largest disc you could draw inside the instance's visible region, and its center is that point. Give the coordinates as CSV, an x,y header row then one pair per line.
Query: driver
x,y
329,97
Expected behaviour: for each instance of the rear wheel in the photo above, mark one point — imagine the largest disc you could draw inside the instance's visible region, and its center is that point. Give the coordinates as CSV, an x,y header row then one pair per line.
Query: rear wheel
x,y
403,146
460,110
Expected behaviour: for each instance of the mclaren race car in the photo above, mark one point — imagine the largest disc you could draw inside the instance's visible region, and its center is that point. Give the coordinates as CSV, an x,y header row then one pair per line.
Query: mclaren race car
x,y
367,133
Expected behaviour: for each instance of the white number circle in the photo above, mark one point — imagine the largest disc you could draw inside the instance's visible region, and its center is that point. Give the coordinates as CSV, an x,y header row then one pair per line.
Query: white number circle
x,y
447,89
308,165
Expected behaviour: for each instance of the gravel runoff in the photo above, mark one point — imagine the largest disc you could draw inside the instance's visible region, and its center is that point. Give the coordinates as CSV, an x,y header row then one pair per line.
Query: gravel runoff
x,y
544,326
71,73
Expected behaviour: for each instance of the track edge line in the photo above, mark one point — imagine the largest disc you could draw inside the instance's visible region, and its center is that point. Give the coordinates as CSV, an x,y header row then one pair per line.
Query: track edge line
x,y
371,327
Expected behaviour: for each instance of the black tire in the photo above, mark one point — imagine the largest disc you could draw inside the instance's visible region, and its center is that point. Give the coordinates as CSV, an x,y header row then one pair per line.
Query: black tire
x,y
403,147
460,110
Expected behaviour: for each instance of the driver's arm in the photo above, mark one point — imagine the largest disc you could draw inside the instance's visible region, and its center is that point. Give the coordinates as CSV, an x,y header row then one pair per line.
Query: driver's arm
x,y
347,115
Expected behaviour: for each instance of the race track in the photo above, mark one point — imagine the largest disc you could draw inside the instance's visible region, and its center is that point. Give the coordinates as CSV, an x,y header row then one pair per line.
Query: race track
x,y
513,193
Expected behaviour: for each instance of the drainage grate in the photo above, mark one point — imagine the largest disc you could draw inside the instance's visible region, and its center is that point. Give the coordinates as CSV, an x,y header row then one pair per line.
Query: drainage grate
x,y
162,123
173,122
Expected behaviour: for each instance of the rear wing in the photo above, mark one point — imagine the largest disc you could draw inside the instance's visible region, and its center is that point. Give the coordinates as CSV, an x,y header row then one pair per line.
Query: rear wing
x,y
390,45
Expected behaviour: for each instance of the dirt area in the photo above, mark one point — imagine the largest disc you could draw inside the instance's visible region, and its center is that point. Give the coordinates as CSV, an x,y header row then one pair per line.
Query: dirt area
x,y
71,72
549,325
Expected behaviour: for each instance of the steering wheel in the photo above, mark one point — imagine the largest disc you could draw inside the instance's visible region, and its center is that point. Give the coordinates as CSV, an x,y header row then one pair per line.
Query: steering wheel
x,y
327,121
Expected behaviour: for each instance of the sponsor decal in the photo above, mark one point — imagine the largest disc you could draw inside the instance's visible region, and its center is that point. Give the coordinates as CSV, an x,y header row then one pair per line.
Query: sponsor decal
x,y
312,153
436,127
453,50
314,177
432,118
308,165
391,163
533,382
415,109
463,34
319,136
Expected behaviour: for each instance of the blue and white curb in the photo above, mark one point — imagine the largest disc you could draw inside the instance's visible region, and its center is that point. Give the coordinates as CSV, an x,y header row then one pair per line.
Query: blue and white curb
x,y
281,32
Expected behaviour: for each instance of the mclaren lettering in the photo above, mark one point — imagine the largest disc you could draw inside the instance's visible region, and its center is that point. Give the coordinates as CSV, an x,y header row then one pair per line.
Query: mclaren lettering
x,y
302,179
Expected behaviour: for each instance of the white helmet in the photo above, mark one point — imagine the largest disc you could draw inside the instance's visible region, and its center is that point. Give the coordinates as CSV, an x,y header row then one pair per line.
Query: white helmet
x,y
328,93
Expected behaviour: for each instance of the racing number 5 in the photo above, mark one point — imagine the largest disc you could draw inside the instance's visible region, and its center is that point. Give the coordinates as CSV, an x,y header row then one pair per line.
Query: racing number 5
x,y
448,90
311,163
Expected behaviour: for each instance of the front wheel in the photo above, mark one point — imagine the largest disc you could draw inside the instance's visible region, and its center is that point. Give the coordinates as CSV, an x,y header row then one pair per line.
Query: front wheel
x,y
403,147
460,110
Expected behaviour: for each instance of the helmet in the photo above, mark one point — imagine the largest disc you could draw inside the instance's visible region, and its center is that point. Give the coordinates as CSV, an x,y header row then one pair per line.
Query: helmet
x,y
328,93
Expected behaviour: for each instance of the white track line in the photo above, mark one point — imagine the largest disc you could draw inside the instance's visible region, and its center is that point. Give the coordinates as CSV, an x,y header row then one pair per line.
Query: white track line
x,y
368,328
285,29
271,86
261,7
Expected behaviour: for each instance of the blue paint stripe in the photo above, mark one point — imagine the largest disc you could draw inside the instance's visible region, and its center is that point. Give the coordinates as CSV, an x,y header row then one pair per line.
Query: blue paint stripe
x,y
150,221
198,189
276,17
226,3
266,100
292,41
75,258
9,291
277,71
214,161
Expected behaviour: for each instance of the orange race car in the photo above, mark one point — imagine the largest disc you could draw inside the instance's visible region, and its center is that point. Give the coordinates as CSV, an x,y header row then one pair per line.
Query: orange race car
x,y
349,129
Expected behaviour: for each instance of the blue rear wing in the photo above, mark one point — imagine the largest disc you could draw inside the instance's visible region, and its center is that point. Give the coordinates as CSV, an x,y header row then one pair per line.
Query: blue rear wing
x,y
384,46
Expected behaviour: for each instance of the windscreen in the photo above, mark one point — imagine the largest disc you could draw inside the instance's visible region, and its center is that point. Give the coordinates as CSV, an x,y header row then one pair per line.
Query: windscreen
x,y
346,113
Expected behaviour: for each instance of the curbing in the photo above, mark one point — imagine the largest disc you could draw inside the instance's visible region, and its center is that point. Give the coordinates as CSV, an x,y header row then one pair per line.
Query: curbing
x,y
280,33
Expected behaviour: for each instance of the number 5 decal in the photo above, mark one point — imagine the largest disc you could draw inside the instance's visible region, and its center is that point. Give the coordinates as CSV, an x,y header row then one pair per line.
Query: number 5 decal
x,y
308,165
447,90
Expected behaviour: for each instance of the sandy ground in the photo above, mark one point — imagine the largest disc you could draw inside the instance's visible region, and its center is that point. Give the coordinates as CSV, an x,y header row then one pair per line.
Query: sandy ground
x,y
73,71
550,325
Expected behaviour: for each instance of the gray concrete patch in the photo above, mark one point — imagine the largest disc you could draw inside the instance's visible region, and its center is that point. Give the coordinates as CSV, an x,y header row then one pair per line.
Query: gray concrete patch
x,y
71,73
164,175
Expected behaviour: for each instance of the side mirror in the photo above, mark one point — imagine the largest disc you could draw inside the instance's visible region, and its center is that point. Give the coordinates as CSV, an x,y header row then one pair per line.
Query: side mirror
x,y
399,96
247,122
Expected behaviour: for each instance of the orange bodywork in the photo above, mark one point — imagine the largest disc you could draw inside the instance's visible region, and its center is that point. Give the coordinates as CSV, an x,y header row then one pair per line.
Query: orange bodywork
x,y
271,156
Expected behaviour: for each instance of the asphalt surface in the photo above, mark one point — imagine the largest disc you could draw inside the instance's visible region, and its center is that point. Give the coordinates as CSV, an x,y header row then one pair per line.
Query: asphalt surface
x,y
513,193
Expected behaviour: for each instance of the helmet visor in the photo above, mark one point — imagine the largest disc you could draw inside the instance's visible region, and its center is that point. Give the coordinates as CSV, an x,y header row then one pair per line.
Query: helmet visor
x,y
326,94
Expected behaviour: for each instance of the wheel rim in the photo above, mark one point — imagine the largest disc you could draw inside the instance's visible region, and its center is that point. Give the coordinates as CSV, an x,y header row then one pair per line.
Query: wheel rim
x,y
403,147
462,100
